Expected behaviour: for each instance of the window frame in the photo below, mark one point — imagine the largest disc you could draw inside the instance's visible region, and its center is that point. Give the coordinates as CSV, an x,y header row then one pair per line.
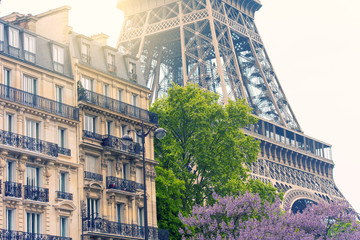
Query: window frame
x,y
13,221
62,137
87,122
64,183
14,39
58,57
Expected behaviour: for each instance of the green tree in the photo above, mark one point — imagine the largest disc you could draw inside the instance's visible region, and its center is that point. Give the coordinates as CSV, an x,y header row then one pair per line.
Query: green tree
x,y
205,147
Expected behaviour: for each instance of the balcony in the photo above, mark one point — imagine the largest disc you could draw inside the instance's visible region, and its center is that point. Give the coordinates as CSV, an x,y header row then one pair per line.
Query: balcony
x,y
36,193
99,225
13,51
120,184
12,189
92,135
29,143
64,151
64,195
140,186
93,176
10,234
38,102
116,106
115,142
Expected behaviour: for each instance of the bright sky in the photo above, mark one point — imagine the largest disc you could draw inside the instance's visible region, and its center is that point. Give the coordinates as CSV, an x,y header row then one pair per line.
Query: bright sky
x,y
314,47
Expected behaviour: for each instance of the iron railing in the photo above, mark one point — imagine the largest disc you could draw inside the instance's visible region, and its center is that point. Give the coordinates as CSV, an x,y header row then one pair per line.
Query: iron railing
x,y
120,184
116,106
64,151
93,176
140,186
36,193
93,135
12,189
29,56
116,143
11,235
38,102
28,143
99,225
64,195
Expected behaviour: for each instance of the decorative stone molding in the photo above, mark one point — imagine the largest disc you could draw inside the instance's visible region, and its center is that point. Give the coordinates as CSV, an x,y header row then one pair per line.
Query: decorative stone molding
x,y
295,194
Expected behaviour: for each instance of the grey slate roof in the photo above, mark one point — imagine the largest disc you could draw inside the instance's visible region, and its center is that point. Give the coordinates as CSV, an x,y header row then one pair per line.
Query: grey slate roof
x,y
98,59
44,57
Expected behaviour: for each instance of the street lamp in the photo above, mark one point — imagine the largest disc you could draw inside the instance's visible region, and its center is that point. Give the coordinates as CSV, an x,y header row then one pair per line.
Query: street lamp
x,y
160,133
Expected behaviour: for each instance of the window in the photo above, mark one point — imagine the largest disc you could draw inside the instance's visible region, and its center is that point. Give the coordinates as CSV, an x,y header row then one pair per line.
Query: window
x,y
139,175
10,171
125,171
134,100
62,138
59,98
91,164
93,208
29,48
1,37
106,90
109,128
9,123
34,176
33,222
111,62
110,167
58,58
13,38
141,216
120,213
85,52
87,83
132,71
90,123
7,77
10,219
123,130
30,84
32,129
64,226
63,182
120,95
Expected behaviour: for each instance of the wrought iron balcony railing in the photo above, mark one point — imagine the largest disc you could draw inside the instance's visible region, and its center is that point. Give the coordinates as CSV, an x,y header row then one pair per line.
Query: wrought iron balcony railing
x,y
99,225
140,186
120,184
10,235
64,151
12,189
36,193
116,106
93,135
93,176
115,142
38,102
28,143
64,195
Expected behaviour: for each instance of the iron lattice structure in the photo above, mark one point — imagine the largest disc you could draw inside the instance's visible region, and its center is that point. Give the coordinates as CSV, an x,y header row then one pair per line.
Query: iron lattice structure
x,y
215,44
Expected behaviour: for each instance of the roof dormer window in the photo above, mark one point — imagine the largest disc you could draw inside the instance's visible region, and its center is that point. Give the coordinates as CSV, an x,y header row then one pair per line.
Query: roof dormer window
x,y
111,62
132,71
14,42
1,37
85,52
58,58
29,48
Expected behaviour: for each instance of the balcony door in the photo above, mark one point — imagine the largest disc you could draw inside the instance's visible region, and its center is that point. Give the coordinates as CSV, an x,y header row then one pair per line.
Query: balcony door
x,y
33,176
33,222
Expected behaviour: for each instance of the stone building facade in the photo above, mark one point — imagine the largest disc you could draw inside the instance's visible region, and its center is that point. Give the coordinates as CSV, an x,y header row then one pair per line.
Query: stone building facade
x,y
65,102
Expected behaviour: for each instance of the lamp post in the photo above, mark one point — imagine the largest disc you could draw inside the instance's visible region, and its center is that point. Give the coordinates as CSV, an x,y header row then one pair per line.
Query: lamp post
x,y
160,133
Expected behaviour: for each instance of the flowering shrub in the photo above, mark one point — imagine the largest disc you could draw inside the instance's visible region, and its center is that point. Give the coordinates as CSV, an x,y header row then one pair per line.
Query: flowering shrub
x,y
248,217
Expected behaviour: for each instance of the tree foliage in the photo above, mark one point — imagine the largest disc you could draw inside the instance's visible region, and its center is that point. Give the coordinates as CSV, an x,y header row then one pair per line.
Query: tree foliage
x,y
249,217
205,149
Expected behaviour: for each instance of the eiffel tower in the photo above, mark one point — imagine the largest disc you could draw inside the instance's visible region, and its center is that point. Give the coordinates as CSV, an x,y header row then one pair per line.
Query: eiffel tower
x,y
216,44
